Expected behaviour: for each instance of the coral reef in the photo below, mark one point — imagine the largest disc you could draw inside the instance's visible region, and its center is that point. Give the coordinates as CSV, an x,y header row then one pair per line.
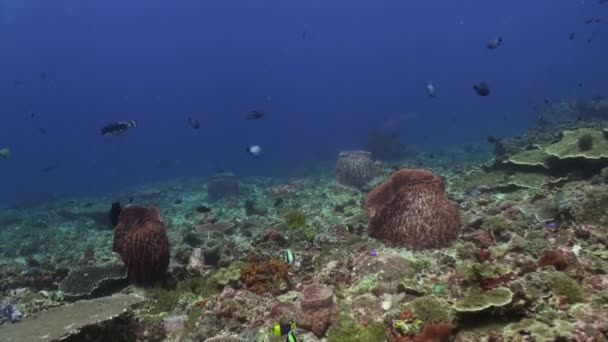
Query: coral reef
x,y
410,209
316,309
140,239
355,168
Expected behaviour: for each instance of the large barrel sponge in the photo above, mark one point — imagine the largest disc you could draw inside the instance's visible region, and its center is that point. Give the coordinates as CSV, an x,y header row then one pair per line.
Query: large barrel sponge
x,y
141,240
411,210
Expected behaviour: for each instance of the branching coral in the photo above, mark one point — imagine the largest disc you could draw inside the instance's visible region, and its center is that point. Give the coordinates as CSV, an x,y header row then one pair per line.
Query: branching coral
x,y
265,276
410,209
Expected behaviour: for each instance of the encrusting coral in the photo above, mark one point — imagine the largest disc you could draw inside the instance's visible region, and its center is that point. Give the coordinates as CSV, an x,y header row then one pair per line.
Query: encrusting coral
x,y
410,209
141,240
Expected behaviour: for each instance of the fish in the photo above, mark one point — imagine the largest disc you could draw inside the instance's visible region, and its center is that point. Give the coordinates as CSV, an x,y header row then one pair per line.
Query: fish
x,y
572,35
203,209
289,257
492,139
5,152
494,43
291,337
117,128
547,101
283,329
48,168
430,89
254,115
482,89
42,130
254,150
115,213
588,21
304,35
194,123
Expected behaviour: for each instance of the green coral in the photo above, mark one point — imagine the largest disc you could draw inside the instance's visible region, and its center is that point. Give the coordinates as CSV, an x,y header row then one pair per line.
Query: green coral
x,y
559,330
430,309
568,146
477,300
475,273
498,224
365,284
600,300
225,276
535,157
563,285
295,219
585,142
346,329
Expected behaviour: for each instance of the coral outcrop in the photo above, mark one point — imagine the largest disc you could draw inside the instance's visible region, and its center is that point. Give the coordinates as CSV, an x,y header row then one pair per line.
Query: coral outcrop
x,y
140,238
223,184
410,209
316,309
355,168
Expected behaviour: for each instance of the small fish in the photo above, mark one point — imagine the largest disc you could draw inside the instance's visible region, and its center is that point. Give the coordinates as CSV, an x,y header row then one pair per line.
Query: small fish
x,y
291,337
279,201
194,123
48,168
547,101
203,209
430,90
559,197
580,84
304,35
42,131
494,43
289,257
5,152
492,139
283,329
32,115
254,150
482,89
115,213
572,35
117,128
588,21
254,115
373,253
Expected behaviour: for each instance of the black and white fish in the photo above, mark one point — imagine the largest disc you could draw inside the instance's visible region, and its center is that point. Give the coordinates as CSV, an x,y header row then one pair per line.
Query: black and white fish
x,y
117,128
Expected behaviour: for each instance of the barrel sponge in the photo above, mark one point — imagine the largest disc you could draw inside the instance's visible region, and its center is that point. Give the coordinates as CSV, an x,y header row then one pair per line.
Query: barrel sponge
x,y
411,210
141,240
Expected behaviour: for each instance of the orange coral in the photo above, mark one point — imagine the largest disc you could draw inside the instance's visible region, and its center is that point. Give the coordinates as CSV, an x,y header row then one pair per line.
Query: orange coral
x,y
434,332
265,276
141,240
410,209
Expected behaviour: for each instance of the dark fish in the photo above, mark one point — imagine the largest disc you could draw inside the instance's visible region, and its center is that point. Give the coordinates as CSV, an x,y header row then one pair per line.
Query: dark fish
x,y
32,115
115,213
304,35
482,89
494,43
194,123
572,35
48,168
492,139
254,115
580,85
117,128
279,201
597,20
589,21
42,131
203,209
88,205
547,101
131,199
432,155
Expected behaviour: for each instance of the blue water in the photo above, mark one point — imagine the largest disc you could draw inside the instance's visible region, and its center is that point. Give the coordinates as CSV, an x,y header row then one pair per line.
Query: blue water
x,y
325,72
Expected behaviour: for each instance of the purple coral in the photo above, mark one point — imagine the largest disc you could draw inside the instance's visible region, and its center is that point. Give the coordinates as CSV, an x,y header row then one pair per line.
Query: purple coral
x,y
355,168
223,184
